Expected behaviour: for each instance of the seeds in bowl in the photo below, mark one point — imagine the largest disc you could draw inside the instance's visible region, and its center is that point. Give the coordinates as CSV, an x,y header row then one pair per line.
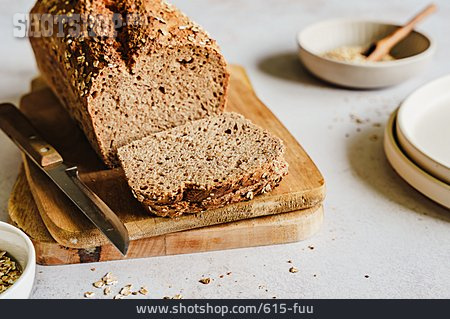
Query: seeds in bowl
x,y
10,271
351,54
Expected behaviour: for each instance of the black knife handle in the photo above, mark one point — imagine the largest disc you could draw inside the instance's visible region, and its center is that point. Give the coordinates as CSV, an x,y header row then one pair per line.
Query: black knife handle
x,y
15,124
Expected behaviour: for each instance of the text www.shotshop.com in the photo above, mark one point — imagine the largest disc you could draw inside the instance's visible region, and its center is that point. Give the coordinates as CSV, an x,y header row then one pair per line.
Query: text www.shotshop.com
x,y
223,310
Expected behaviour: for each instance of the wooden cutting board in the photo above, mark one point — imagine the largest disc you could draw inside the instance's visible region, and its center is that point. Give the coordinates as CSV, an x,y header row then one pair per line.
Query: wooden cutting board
x,y
269,230
302,188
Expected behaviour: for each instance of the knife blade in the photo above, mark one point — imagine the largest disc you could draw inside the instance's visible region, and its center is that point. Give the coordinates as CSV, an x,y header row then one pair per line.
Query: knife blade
x,y
15,124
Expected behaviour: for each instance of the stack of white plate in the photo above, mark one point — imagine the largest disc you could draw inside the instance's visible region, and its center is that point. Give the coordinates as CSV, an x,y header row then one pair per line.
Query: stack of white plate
x,y
417,140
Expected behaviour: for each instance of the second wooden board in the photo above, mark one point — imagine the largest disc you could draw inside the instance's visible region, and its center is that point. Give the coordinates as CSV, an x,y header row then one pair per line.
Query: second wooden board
x,y
302,188
269,230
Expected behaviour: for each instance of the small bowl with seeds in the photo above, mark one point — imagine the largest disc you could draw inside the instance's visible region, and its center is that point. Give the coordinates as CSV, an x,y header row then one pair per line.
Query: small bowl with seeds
x,y
17,263
332,50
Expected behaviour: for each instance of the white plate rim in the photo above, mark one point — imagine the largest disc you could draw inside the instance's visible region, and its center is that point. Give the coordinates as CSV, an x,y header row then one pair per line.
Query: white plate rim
x,y
428,185
402,113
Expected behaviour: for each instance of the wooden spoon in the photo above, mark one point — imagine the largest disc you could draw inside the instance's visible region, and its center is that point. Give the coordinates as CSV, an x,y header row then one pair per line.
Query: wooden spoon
x,y
379,49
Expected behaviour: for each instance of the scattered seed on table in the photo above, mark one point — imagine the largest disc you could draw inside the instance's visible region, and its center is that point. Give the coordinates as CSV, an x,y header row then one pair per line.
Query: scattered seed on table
x,y
293,269
107,291
205,281
126,291
143,291
89,294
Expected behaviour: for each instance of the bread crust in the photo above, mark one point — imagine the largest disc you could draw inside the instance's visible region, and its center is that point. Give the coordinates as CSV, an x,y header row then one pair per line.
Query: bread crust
x,y
245,190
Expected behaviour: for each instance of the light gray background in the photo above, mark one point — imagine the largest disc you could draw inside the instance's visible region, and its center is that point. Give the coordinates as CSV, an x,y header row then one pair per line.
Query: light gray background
x,y
375,224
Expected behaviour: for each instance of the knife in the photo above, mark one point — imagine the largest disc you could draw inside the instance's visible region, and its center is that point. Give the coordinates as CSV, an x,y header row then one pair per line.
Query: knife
x,y
15,124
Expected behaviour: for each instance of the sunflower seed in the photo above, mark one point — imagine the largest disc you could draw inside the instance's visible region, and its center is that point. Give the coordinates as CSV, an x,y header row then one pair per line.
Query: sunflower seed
x,y
143,291
10,271
293,270
89,294
205,281
107,291
126,291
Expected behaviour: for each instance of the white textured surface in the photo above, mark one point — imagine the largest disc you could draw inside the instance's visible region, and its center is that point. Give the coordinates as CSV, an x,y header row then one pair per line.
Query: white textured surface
x,y
375,224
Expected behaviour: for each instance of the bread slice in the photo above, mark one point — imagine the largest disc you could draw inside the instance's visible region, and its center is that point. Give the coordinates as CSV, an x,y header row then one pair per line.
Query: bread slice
x,y
122,83
203,164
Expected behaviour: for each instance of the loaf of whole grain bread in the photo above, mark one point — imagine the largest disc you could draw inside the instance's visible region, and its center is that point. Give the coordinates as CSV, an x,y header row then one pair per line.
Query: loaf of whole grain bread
x,y
203,164
122,83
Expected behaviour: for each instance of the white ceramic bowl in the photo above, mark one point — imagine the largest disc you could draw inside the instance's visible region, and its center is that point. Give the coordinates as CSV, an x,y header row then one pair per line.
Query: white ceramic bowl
x,y
425,183
423,127
412,54
19,246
